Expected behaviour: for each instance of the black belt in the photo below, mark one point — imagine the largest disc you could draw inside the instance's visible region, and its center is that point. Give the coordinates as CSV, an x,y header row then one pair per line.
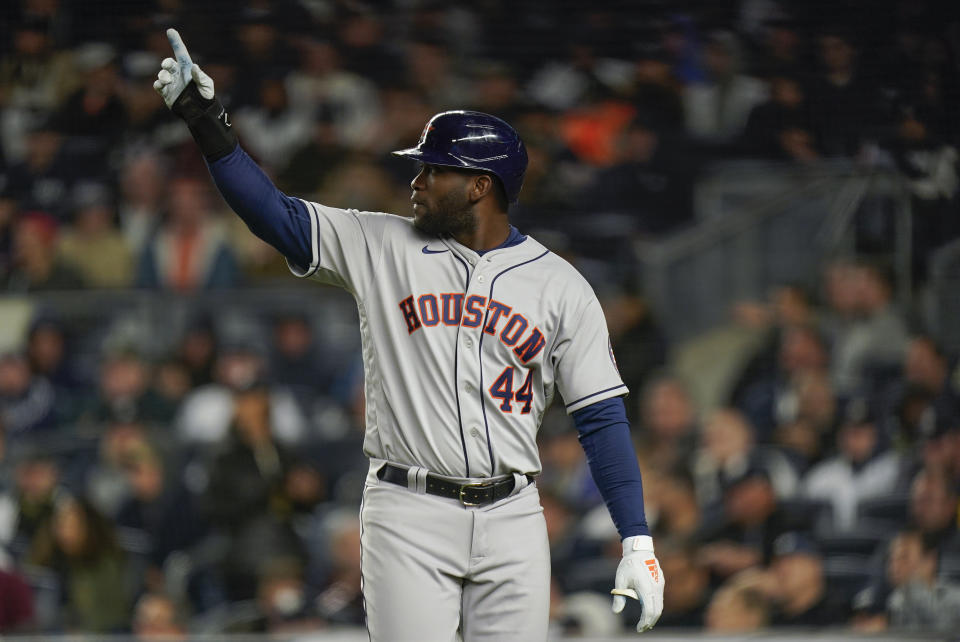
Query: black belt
x,y
479,494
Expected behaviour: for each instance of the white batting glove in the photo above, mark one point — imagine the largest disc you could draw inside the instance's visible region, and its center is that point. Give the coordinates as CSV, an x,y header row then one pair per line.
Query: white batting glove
x,y
639,577
176,74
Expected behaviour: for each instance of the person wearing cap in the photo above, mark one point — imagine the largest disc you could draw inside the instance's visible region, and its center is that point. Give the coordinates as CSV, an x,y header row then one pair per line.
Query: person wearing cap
x,y
861,469
799,586
751,521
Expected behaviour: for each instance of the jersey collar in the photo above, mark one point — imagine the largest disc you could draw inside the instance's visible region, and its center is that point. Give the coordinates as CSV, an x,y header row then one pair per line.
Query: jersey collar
x,y
517,247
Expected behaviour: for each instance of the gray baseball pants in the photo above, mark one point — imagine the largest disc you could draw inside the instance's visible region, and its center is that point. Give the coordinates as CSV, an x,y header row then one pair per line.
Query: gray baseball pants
x,y
433,568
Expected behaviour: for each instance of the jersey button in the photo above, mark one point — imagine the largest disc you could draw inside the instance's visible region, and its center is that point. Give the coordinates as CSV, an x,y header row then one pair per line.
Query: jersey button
x,y
475,433
481,278
468,343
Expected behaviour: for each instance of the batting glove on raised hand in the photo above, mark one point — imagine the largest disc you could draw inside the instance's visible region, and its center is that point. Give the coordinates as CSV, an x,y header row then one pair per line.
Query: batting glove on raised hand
x,y
176,74
639,577
188,93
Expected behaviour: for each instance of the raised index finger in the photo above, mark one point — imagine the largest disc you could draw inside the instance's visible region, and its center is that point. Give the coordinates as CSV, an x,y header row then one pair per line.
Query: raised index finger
x,y
179,49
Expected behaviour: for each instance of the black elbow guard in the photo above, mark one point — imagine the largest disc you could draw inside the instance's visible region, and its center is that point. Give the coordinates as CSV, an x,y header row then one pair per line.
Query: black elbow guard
x,y
208,122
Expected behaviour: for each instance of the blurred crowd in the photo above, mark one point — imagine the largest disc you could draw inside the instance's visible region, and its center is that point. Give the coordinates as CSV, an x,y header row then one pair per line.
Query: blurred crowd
x,y
214,486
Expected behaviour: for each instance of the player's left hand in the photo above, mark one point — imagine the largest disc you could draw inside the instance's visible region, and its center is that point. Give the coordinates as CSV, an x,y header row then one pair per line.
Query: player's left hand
x,y
176,74
639,577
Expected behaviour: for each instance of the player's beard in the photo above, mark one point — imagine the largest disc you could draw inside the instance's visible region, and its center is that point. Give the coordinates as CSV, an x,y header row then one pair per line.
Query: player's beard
x,y
451,216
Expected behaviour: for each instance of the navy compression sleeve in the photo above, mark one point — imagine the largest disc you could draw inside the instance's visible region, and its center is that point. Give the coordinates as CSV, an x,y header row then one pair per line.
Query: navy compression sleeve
x,y
605,437
273,216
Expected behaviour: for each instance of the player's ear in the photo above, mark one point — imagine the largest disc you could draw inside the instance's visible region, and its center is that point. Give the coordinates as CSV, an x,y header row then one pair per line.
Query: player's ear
x,y
481,185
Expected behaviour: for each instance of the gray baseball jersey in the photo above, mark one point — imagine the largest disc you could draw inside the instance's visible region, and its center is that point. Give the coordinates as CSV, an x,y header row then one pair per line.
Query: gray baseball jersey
x,y
462,352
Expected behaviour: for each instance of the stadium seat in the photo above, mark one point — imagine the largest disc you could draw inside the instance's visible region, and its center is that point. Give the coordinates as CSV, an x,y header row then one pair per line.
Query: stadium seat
x,y
845,575
862,540
890,509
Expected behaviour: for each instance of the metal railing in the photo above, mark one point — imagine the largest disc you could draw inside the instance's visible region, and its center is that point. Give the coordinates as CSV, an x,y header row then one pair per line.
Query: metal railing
x,y
762,225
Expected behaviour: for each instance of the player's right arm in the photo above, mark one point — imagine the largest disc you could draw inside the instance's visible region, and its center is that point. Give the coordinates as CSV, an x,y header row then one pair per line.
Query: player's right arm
x,y
334,244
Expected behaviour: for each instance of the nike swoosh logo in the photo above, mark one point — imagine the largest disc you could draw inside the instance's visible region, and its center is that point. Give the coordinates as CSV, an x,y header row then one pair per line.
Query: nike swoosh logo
x,y
426,250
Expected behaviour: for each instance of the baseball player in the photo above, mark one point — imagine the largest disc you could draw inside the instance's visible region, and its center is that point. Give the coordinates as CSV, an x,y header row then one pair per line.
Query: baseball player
x,y
468,327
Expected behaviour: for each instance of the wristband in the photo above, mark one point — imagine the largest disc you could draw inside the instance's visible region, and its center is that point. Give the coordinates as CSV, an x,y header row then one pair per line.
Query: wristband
x,y
208,122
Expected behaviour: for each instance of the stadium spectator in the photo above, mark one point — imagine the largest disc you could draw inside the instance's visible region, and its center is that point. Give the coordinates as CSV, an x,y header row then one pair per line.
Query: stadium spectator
x,y
189,251
863,467
871,346
940,441
298,360
36,77
429,70
769,398
920,601
668,435
206,412
27,507
257,487
807,435
845,103
50,353
321,85
340,600
727,445
37,267
124,392
160,509
271,127
930,163
156,617
716,110
743,535
261,52
734,611
79,545
92,119
933,509
105,482
796,585
27,401
648,179
196,348
780,128
927,367
142,188
92,244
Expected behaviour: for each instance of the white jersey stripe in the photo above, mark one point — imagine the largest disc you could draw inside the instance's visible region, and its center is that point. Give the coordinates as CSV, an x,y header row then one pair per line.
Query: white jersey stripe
x,y
599,392
311,269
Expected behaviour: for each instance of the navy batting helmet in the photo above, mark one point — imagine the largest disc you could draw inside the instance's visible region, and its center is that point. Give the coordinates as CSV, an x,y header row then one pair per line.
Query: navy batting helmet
x,y
473,140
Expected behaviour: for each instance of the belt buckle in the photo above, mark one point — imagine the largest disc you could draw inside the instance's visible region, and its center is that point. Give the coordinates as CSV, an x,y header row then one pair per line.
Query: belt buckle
x,y
463,488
